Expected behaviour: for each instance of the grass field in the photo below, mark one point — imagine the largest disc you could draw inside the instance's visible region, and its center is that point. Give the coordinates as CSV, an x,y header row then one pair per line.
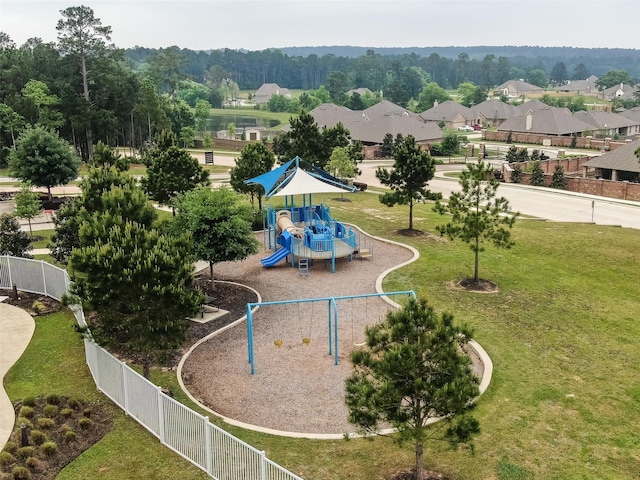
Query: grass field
x,y
562,331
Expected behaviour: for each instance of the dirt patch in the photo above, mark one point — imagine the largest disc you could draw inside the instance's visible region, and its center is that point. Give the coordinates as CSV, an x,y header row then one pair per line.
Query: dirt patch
x,y
478,286
428,475
32,303
58,429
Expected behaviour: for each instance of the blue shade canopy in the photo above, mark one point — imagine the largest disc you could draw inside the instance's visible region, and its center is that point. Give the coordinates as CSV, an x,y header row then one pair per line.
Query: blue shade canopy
x,y
290,179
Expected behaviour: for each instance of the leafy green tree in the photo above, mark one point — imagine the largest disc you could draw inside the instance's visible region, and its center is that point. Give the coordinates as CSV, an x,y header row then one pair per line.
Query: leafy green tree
x,y
537,175
255,159
538,77
431,93
337,85
13,241
450,144
516,174
512,154
27,204
580,72
558,180
201,114
231,131
43,159
165,69
105,156
139,282
559,73
11,122
219,223
171,172
470,94
187,136
149,109
476,214
411,172
39,95
613,78
207,141
83,36
412,372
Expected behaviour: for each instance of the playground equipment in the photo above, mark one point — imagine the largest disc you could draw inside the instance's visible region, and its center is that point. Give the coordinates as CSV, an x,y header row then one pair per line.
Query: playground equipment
x,y
308,231
333,320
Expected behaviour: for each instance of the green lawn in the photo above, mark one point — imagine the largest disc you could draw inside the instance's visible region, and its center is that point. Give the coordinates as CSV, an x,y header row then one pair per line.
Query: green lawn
x,y
562,332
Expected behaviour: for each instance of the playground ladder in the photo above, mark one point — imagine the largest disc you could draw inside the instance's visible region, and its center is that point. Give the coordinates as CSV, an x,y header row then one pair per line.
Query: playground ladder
x,y
303,267
366,252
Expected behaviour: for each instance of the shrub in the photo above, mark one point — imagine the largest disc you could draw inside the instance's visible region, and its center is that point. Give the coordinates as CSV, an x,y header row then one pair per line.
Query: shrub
x,y
25,452
73,403
10,447
85,423
6,459
69,436
86,412
20,473
53,399
50,411
33,463
49,448
26,412
38,437
66,412
46,423
29,402
26,421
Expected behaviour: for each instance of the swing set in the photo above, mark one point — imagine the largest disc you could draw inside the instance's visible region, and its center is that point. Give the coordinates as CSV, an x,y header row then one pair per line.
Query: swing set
x,y
333,320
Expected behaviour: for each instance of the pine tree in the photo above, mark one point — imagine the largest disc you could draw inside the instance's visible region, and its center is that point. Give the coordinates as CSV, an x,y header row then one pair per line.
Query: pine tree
x,y
516,174
558,180
411,372
537,175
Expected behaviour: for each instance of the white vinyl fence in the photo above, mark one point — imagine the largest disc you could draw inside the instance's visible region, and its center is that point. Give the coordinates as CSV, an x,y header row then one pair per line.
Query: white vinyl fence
x,y
183,430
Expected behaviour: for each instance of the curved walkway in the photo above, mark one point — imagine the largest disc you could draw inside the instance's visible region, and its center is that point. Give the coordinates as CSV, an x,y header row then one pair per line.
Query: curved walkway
x,y
17,328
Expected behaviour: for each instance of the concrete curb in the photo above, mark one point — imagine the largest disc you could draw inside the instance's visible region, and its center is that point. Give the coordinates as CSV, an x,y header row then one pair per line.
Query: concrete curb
x,y
17,328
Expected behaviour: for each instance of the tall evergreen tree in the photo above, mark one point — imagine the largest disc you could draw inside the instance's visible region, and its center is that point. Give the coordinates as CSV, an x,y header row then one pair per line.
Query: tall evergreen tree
x,y
558,180
409,177
255,159
537,175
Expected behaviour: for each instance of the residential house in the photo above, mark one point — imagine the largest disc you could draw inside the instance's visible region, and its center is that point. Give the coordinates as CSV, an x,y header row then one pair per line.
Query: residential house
x,y
607,124
622,91
493,113
580,87
634,115
451,113
268,90
518,88
360,91
620,164
547,121
370,126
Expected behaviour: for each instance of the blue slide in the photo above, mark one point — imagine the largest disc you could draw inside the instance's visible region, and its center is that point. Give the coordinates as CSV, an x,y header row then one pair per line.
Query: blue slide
x,y
275,257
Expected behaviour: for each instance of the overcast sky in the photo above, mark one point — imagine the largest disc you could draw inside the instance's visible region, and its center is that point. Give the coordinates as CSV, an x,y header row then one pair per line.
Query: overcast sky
x,y
260,24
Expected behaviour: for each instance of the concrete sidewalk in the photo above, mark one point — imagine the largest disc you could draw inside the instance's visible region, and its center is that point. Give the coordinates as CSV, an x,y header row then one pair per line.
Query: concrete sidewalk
x,y
16,330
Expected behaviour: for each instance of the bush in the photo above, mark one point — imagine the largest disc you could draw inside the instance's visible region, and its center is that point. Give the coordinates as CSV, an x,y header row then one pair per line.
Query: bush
x,y
69,436
29,402
50,411
85,423
53,399
66,412
49,448
33,463
38,437
10,447
20,473
86,412
25,452
6,458
73,403
26,412
46,423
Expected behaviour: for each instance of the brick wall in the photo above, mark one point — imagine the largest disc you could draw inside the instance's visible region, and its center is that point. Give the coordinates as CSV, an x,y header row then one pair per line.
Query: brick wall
x,y
537,139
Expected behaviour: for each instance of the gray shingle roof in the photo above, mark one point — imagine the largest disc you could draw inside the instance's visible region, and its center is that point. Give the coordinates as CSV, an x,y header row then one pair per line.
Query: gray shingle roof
x,y
497,109
599,118
631,113
267,90
371,125
519,86
549,121
622,158
447,111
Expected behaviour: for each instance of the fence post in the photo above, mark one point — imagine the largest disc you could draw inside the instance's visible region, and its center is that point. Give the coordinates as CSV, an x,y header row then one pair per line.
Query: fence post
x,y
125,388
263,466
44,278
207,445
9,269
160,415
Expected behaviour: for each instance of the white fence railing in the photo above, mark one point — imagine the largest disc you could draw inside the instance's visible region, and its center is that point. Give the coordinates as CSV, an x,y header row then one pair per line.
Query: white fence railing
x,y
183,430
